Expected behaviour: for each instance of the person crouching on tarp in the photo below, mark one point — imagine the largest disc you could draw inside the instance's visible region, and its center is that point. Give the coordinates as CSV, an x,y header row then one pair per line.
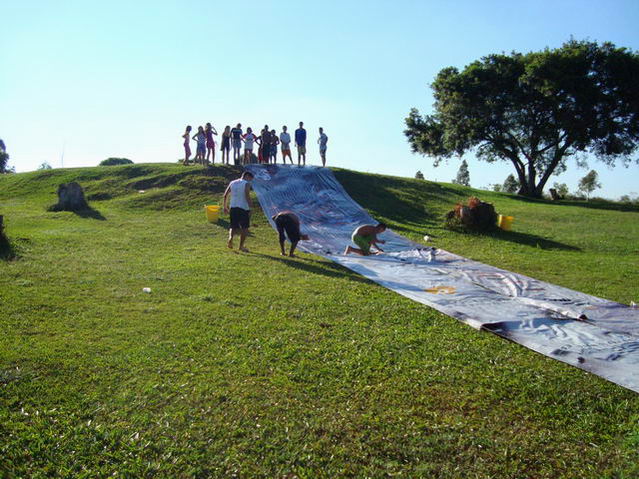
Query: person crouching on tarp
x,y
287,221
366,236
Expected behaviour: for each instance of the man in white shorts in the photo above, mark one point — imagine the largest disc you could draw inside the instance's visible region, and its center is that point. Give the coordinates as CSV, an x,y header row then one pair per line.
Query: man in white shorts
x,y
285,140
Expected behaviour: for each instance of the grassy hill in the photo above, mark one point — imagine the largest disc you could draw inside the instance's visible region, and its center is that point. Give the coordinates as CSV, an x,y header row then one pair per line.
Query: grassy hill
x,y
254,365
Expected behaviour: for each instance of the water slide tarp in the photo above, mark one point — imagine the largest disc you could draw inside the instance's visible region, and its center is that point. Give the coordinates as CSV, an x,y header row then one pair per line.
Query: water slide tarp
x,y
538,315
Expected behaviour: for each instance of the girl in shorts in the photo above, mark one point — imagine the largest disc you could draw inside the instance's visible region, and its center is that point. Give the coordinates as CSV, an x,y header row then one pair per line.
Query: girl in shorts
x,y
248,140
209,131
200,137
187,147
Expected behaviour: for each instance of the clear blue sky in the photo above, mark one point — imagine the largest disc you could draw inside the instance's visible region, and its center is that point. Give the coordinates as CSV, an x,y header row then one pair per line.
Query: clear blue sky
x,y
115,78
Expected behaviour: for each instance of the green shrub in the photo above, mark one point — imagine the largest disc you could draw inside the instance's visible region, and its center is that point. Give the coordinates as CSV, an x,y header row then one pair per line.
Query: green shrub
x,y
115,161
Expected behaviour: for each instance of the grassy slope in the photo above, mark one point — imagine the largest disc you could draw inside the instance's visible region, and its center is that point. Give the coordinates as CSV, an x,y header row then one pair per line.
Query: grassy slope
x,y
255,365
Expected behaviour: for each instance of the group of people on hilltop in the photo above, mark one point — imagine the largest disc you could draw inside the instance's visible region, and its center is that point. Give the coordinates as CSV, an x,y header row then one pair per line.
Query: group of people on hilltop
x,y
237,204
243,143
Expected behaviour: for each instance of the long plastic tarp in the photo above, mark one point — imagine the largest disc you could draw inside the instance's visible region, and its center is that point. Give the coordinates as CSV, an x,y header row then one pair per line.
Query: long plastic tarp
x,y
591,333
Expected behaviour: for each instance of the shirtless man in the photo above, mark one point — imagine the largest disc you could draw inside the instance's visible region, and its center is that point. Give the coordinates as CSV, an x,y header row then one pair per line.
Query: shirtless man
x,y
366,236
289,222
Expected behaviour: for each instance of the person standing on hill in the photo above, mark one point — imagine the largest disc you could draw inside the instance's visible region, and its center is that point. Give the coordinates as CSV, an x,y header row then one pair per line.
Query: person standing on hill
x,y
300,142
366,236
264,141
226,144
287,221
236,143
274,142
248,138
240,208
187,147
200,137
285,140
322,140
209,131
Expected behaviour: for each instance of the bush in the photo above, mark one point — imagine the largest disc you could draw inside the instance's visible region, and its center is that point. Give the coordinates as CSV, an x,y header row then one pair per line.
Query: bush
x,y
115,161
475,216
511,185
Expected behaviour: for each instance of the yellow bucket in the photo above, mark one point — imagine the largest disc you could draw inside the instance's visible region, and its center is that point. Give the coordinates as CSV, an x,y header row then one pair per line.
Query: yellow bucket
x,y
505,222
212,213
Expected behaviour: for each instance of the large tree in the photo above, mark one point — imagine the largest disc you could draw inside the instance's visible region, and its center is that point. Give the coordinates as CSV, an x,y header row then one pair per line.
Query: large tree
x,y
535,110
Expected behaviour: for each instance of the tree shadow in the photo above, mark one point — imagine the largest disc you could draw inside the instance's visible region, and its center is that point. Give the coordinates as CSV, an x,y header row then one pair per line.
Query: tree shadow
x,y
330,269
379,194
601,205
592,204
531,240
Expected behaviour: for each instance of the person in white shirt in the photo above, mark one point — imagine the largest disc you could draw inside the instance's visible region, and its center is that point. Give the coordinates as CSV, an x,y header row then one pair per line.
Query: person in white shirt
x,y
248,140
285,140
322,140
240,208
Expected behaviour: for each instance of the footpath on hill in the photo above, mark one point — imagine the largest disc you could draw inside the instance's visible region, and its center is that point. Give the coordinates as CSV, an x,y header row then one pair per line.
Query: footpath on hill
x,y
591,333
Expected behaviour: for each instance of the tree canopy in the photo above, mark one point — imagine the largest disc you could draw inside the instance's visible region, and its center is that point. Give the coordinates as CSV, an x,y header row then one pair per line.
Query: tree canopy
x,y
535,110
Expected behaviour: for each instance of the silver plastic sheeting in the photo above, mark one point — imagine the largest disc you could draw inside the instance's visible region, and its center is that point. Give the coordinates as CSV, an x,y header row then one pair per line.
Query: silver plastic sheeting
x,y
591,333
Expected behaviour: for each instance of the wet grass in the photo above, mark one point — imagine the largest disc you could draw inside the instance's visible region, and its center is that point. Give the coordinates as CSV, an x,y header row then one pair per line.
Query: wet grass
x,y
253,365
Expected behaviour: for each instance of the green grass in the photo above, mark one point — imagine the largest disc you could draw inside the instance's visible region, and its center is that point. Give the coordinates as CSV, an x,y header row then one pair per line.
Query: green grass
x,y
252,365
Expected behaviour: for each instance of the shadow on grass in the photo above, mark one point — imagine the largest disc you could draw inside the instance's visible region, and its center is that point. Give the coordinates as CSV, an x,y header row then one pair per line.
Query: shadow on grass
x,y
397,198
332,270
600,205
90,213
592,204
87,212
7,252
222,223
531,240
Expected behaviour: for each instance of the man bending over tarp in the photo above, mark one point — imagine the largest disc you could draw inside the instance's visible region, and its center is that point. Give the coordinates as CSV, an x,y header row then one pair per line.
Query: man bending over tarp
x,y
289,222
366,236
